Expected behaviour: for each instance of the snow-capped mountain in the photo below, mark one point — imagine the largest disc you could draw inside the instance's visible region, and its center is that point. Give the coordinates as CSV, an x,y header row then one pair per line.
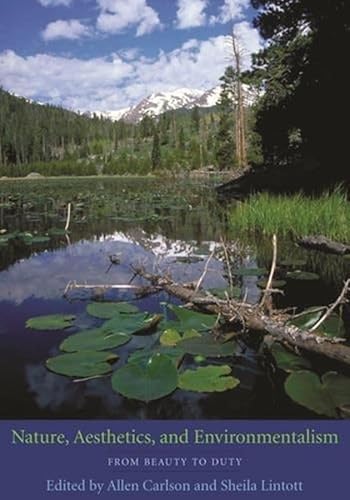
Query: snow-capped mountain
x,y
156,104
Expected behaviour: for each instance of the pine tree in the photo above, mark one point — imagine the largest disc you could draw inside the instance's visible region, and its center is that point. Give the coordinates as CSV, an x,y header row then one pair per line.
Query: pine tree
x,y
225,145
156,155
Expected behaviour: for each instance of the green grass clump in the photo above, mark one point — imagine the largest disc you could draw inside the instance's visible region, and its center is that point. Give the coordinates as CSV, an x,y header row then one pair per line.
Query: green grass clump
x,y
297,215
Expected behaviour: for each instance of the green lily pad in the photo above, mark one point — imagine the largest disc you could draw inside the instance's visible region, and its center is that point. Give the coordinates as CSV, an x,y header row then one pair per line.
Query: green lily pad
x,y
38,240
321,396
235,293
55,231
82,364
130,323
173,337
207,346
249,271
106,310
302,276
288,361
52,322
208,379
170,337
333,326
192,319
293,263
146,382
94,340
199,359
275,283
143,356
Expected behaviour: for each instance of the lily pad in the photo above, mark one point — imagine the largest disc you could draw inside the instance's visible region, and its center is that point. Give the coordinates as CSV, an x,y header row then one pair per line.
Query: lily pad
x,y
146,382
275,283
207,346
293,263
82,364
106,310
233,293
130,323
288,361
321,396
39,240
208,379
52,322
173,337
192,319
170,337
249,271
143,356
94,340
333,326
302,276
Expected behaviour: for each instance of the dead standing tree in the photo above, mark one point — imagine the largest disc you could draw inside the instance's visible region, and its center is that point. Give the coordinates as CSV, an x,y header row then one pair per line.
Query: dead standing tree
x,y
240,122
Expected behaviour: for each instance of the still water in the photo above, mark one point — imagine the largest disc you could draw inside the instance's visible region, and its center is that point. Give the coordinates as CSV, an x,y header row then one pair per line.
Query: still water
x,y
152,223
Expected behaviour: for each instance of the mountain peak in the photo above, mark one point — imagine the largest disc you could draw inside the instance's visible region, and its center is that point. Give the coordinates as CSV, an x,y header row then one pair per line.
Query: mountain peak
x,y
160,102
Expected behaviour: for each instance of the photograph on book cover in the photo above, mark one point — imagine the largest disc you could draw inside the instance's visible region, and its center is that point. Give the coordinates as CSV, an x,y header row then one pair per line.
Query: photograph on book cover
x,y
174,215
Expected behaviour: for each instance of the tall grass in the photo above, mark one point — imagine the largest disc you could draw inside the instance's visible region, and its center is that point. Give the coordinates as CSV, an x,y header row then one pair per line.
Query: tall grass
x,y
297,215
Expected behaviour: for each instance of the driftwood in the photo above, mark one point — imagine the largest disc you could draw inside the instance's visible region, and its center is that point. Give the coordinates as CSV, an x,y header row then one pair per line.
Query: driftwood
x,y
323,244
254,318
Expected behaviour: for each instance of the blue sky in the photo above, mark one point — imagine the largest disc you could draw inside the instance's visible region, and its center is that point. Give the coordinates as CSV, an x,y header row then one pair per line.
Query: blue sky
x,y
103,55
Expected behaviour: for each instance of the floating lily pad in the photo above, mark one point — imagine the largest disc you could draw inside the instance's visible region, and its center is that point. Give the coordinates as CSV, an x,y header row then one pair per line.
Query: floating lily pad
x,y
207,346
233,293
143,356
293,263
302,276
156,379
82,364
106,310
55,231
52,322
333,326
249,271
94,340
39,240
192,319
199,359
321,396
173,337
131,323
170,337
208,379
287,360
275,283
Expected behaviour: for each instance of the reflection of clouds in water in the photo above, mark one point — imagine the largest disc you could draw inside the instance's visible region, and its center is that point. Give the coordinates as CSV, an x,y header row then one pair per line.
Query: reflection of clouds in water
x,y
46,275
56,393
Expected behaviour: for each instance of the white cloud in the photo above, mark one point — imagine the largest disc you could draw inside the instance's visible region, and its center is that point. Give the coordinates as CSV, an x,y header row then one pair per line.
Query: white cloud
x,y
117,15
72,29
231,10
55,3
191,13
118,81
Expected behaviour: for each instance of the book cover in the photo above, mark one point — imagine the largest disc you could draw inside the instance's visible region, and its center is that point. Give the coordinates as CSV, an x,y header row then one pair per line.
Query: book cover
x,y
174,243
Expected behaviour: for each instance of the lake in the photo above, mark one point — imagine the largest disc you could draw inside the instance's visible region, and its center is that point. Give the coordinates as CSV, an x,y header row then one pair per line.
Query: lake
x,y
167,226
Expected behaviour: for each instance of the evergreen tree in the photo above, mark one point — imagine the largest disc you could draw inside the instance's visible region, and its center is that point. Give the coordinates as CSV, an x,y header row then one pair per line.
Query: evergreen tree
x,y
156,156
302,70
225,155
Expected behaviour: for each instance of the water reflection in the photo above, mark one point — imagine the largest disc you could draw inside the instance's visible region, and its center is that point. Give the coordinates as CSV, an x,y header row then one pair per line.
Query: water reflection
x,y
145,223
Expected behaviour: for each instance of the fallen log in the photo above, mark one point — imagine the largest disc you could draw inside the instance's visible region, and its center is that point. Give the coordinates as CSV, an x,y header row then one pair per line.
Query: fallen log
x,y
253,318
323,244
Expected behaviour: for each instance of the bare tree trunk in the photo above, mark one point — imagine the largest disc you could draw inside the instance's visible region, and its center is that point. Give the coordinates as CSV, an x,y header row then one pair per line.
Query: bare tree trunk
x,y
241,143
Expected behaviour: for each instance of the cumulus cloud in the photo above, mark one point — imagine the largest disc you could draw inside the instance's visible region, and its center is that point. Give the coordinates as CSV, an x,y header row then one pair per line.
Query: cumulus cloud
x,y
231,10
191,13
55,3
122,79
117,15
72,29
